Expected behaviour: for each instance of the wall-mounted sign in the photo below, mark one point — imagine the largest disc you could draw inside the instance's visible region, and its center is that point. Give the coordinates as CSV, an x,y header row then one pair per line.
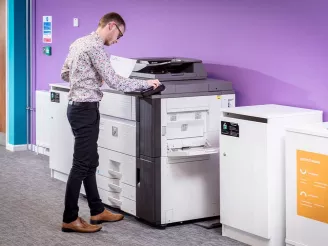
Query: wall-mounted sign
x,y
47,29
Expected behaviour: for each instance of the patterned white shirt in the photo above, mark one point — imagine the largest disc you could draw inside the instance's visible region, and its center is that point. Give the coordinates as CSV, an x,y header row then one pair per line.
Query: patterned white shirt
x,y
87,65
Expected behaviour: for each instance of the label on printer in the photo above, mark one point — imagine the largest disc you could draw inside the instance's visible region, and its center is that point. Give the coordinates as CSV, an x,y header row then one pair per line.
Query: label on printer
x,y
229,129
54,97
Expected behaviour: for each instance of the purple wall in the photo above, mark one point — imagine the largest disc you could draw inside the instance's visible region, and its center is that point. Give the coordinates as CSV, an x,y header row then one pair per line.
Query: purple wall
x,y
272,52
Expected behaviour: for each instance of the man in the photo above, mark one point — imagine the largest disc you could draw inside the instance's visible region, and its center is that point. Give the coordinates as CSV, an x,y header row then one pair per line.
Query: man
x,y
86,67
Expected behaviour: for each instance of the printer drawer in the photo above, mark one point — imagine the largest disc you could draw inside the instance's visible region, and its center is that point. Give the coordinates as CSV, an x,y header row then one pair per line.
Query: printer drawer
x,y
109,184
117,201
118,135
115,165
116,186
118,105
129,192
104,196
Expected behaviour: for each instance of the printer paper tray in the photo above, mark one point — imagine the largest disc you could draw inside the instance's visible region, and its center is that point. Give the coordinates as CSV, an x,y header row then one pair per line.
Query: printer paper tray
x,y
192,152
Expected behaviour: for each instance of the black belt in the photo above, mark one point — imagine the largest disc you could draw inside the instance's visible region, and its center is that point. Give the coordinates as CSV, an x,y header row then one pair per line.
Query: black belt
x,y
85,104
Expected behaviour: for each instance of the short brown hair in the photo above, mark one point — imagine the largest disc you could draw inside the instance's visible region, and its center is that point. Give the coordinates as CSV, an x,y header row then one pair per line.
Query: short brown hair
x,y
111,17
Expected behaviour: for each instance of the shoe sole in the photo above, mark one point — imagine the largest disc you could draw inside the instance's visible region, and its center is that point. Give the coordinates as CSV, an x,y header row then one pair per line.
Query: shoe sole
x,y
71,230
97,222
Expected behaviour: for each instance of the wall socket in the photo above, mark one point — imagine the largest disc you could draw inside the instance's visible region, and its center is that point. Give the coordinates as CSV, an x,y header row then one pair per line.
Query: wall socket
x,y
75,22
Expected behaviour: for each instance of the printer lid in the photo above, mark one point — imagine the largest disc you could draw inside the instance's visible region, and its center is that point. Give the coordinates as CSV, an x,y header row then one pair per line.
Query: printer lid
x,y
169,68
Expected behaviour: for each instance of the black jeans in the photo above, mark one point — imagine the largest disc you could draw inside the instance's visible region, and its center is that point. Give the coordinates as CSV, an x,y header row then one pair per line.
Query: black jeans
x,y
84,121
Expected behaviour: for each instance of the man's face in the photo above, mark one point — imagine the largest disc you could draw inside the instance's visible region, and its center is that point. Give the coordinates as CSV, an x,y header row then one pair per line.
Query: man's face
x,y
115,32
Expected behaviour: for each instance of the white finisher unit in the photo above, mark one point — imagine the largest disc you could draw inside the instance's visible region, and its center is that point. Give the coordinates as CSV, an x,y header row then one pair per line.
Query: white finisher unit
x,y
252,171
61,136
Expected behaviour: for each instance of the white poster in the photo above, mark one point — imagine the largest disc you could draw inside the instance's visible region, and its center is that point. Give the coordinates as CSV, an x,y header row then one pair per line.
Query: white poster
x,y
47,29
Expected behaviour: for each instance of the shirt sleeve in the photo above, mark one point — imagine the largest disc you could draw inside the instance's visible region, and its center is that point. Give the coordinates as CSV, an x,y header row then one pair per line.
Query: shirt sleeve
x,y
101,62
65,71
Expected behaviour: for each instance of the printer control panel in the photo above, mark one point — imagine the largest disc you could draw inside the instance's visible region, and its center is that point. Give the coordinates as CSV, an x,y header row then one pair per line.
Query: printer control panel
x,y
148,92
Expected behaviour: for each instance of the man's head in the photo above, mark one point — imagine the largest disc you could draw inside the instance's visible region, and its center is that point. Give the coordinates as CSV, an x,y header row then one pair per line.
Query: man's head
x,y
111,28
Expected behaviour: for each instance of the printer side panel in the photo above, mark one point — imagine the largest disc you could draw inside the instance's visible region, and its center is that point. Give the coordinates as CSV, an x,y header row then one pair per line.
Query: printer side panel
x,y
148,191
149,117
148,180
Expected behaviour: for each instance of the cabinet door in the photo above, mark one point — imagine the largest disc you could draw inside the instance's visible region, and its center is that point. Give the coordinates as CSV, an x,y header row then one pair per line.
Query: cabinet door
x,y
61,136
244,178
117,135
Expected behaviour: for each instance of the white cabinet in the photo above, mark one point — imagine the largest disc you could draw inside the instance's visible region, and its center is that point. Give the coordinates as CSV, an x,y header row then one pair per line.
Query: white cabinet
x,y
245,188
306,185
252,184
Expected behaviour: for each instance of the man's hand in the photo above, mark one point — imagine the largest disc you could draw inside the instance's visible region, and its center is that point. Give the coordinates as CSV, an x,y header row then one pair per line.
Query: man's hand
x,y
153,83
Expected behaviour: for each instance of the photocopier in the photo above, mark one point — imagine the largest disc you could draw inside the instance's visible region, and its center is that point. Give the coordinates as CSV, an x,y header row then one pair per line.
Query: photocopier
x,y
159,149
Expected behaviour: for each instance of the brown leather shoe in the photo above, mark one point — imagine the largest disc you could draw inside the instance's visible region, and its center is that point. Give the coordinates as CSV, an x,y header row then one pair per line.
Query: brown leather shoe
x,y
80,225
105,216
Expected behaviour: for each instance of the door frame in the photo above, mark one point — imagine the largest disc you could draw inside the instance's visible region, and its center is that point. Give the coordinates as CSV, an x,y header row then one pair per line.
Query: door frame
x,y
29,67
7,82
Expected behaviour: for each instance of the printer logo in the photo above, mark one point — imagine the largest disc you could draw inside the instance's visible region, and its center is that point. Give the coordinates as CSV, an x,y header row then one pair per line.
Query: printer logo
x,y
184,127
115,131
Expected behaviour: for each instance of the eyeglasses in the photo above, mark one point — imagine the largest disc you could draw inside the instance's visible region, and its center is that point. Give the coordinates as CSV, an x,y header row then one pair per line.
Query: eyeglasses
x,y
121,34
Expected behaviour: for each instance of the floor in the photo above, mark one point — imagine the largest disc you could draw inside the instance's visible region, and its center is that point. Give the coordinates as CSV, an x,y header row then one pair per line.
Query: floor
x,y
32,204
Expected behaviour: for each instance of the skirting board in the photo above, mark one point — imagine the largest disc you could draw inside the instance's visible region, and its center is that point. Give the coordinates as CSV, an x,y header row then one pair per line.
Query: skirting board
x,y
40,150
15,148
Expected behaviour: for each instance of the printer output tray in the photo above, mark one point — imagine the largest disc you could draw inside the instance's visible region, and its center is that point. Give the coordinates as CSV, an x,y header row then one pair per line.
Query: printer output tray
x,y
185,152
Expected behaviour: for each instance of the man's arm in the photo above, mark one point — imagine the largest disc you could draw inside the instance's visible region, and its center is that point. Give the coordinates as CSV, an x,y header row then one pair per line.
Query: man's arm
x,y
102,64
65,71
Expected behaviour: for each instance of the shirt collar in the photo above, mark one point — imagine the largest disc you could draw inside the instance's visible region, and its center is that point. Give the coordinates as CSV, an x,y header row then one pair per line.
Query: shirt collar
x,y
98,38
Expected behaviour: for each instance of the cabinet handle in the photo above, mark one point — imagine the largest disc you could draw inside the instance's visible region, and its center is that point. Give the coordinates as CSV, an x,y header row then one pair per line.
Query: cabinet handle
x,y
115,187
118,202
114,173
224,154
138,177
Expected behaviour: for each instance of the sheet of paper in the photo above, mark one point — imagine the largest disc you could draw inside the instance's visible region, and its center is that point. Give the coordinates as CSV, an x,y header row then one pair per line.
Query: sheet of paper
x,y
122,66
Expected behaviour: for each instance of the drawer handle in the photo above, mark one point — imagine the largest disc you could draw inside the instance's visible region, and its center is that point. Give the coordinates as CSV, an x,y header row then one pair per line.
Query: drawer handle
x,y
114,173
115,187
118,202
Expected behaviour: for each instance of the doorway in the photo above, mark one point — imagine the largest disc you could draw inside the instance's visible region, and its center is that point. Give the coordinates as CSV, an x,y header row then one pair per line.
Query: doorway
x,y
3,72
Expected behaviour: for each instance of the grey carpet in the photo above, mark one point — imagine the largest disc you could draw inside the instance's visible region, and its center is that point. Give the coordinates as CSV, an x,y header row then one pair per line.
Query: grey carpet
x,y
31,206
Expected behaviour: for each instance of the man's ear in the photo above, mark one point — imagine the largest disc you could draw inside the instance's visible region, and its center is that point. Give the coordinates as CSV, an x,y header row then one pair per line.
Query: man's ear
x,y
110,25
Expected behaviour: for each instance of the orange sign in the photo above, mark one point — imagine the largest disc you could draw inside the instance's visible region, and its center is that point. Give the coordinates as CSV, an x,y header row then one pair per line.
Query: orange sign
x,y
312,185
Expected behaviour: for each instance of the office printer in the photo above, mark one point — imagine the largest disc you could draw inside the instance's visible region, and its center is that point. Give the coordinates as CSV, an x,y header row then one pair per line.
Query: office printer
x,y
159,154
158,151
